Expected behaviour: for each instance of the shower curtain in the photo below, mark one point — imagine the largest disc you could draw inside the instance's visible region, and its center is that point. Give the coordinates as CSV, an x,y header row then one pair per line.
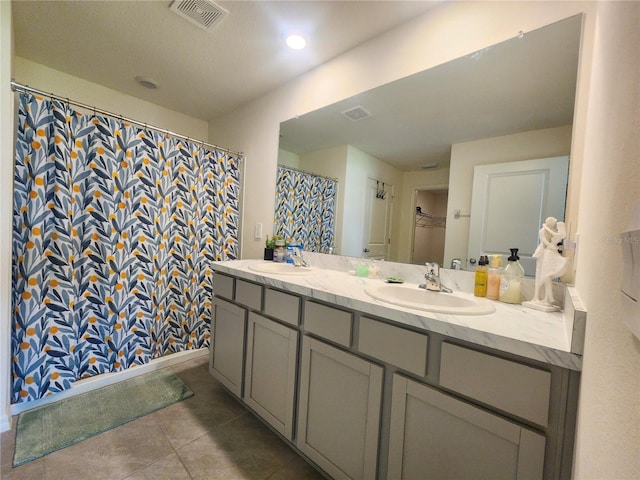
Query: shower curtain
x,y
114,228
305,209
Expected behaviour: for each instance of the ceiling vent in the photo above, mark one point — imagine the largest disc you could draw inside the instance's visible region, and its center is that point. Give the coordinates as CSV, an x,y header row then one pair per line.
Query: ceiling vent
x,y
356,114
430,166
202,13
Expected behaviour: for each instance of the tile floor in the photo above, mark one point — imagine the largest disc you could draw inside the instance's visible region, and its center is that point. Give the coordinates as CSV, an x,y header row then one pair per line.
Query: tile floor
x,y
207,436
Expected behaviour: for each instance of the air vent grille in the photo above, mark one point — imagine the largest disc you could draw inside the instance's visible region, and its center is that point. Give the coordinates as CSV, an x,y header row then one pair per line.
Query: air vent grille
x,y
202,13
356,114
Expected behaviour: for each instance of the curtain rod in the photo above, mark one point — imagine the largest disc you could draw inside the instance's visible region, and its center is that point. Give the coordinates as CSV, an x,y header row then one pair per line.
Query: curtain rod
x,y
25,88
286,167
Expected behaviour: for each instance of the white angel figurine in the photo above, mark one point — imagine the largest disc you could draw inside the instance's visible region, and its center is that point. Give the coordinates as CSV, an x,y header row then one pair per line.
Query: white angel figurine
x,y
549,262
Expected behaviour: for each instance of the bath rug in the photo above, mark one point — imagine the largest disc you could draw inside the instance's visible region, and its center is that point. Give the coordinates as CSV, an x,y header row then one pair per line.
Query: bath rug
x,y
58,425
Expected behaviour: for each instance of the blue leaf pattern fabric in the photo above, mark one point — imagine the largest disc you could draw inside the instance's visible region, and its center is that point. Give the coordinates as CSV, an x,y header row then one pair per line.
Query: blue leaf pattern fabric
x,y
305,209
114,230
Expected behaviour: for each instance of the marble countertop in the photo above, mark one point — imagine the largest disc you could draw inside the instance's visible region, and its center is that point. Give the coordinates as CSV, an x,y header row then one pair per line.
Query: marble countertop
x,y
514,329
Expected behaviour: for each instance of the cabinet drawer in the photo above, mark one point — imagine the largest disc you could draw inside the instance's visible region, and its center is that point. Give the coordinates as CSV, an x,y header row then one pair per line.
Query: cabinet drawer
x,y
249,294
282,306
328,322
394,345
223,286
507,385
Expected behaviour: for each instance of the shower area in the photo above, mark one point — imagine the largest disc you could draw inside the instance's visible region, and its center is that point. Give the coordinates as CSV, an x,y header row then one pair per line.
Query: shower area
x,y
115,224
305,209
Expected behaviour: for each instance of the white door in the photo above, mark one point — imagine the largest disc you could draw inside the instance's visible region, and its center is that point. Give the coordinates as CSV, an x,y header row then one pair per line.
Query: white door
x,y
377,219
510,201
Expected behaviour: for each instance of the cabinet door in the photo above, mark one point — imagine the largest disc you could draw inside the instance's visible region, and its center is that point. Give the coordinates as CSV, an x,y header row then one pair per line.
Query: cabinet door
x,y
339,411
270,372
227,348
433,435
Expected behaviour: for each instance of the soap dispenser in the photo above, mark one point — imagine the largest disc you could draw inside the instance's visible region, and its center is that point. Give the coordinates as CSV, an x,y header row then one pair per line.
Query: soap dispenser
x,y
480,285
511,279
493,277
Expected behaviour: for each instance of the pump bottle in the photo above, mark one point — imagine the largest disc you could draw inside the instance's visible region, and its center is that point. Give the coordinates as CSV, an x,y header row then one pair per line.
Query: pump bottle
x,y
480,286
493,277
511,279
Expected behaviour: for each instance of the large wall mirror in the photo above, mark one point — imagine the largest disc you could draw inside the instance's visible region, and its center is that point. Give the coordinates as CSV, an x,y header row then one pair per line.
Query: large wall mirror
x,y
404,153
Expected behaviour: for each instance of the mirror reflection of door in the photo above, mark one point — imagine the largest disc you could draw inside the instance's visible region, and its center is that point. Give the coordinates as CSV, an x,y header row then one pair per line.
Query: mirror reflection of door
x,y
510,202
377,219
429,226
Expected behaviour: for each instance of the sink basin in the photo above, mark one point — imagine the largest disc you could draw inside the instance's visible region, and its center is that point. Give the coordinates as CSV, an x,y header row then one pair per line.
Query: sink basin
x,y
281,269
437,302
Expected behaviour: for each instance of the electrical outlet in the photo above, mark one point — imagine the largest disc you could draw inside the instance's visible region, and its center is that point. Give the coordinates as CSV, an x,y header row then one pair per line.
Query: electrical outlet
x,y
257,233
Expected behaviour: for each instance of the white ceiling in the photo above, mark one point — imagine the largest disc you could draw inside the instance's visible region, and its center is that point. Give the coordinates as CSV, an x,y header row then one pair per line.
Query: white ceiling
x,y
202,74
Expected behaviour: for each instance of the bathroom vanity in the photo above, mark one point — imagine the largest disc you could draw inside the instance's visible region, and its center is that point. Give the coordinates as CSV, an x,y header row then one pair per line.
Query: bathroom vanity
x,y
366,389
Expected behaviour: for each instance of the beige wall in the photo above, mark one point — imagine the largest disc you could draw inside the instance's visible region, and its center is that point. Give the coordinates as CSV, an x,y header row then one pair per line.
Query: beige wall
x,y
44,78
608,443
552,142
288,159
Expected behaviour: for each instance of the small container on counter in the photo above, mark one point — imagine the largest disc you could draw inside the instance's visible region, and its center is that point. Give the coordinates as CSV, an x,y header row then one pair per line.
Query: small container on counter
x,y
480,285
493,277
279,253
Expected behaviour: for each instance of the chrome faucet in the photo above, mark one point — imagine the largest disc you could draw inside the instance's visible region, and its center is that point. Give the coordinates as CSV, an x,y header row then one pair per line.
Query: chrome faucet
x,y
432,279
298,259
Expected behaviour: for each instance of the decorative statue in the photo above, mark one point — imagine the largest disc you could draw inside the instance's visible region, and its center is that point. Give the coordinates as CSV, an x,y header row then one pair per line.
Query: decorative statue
x,y
549,264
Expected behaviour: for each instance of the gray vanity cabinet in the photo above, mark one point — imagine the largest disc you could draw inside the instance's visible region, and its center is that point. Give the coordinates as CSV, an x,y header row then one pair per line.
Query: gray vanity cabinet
x,y
227,348
270,372
364,397
339,411
434,435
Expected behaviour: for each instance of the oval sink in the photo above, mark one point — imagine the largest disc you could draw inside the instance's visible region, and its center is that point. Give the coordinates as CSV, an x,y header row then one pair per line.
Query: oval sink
x,y
280,268
437,302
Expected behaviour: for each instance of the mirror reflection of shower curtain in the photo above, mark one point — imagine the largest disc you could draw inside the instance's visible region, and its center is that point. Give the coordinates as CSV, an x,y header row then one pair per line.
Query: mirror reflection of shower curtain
x,y
305,209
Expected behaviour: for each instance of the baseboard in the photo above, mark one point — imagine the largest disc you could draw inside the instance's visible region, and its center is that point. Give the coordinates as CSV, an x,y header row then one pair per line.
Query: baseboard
x,y
92,383
5,423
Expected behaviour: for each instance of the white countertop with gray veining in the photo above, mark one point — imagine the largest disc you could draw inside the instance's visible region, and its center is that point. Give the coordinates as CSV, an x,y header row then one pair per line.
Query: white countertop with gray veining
x,y
511,328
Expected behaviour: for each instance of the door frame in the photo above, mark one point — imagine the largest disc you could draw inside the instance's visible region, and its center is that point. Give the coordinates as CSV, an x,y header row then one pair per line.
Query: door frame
x,y
414,201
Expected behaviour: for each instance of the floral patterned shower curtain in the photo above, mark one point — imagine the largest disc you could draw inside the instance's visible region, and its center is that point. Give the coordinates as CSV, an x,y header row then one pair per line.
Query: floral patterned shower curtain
x,y
114,230
305,209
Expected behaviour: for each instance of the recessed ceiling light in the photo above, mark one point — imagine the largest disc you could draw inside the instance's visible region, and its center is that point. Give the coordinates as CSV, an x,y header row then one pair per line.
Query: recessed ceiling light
x,y
296,42
147,82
